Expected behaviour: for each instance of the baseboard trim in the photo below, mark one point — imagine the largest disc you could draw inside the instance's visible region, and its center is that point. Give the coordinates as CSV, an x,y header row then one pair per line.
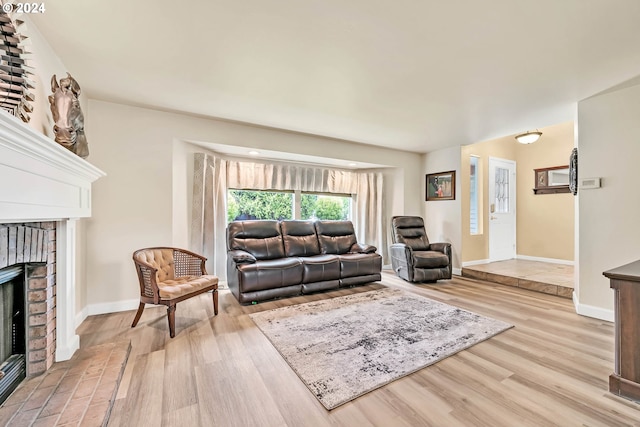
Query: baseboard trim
x,y
112,307
81,316
592,311
65,352
105,308
475,262
541,259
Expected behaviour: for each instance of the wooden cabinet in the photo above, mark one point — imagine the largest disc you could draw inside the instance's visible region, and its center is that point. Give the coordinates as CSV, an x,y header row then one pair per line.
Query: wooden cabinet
x,y
625,281
551,180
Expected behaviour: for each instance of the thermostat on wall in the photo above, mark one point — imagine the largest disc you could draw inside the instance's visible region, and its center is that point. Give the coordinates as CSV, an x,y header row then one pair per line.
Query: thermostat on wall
x,y
588,183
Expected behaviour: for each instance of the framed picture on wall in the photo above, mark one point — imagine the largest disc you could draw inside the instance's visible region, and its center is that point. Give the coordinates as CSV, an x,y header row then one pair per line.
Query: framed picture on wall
x,y
441,186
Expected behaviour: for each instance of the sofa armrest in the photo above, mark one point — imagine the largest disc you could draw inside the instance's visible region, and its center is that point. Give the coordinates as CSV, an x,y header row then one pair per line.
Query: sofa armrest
x,y
241,257
360,248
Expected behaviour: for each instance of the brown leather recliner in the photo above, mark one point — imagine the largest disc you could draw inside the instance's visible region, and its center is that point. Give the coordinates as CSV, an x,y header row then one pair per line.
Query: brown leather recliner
x,y
413,257
271,259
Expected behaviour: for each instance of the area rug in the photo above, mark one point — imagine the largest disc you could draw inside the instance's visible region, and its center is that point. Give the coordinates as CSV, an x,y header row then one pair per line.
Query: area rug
x,y
344,347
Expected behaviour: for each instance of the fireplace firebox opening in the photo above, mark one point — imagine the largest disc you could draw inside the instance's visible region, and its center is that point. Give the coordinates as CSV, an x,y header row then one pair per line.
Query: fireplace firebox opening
x,y
13,349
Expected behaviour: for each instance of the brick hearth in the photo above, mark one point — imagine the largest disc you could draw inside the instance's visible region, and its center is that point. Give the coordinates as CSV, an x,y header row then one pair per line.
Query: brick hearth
x,y
34,244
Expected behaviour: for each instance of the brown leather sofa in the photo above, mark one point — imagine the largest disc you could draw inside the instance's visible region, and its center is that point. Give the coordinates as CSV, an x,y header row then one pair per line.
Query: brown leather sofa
x,y
272,259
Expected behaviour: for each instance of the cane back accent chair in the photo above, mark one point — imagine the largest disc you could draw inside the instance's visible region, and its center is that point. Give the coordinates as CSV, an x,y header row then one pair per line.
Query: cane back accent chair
x,y
413,258
170,275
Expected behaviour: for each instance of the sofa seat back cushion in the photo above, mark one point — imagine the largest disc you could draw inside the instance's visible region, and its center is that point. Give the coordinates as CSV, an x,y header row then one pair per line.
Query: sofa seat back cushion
x,y
268,274
320,268
262,239
160,259
429,259
175,288
410,231
352,265
299,238
335,237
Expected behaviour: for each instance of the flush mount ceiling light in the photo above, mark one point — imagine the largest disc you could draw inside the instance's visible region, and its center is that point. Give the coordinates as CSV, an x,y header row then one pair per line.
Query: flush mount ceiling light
x,y
528,137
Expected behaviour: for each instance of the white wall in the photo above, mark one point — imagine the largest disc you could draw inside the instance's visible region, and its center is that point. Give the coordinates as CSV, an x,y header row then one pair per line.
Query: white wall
x,y
45,63
144,199
443,217
609,229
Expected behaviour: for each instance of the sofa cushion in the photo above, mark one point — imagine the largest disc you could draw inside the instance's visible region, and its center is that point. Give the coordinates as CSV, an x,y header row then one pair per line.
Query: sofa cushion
x,y
266,274
352,265
335,237
429,259
299,238
174,288
262,238
320,268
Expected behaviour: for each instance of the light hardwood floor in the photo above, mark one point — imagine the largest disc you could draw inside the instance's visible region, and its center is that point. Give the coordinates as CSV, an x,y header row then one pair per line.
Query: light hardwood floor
x,y
552,369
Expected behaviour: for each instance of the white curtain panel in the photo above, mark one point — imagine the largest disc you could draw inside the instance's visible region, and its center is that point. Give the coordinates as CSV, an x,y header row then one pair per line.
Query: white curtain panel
x,y
213,176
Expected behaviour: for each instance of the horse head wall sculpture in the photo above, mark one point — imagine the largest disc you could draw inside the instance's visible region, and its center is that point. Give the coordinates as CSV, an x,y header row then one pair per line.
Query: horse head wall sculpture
x,y
67,115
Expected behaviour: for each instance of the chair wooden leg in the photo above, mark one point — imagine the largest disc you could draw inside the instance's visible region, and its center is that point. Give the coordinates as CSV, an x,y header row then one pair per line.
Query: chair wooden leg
x,y
171,315
215,301
138,314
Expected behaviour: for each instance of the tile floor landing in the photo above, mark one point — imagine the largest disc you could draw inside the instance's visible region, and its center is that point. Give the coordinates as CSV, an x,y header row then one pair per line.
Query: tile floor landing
x,y
549,278
76,392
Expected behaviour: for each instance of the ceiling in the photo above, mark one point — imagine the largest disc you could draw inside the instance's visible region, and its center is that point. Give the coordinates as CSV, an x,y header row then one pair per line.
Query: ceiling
x,y
415,75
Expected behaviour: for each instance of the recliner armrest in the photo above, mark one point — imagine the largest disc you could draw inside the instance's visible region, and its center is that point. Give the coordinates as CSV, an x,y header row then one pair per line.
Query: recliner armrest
x,y
360,248
445,248
241,257
401,247
402,259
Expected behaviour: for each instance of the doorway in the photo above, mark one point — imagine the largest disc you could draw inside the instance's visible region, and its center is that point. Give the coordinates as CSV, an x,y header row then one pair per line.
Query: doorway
x,y
502,209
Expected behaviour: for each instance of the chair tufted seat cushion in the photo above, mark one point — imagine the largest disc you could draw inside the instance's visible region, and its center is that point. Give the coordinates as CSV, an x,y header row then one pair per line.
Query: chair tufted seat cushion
x,y
174,288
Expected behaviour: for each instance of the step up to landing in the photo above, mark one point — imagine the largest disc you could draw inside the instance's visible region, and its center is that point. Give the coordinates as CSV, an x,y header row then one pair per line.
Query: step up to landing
x,y
78,392
519,282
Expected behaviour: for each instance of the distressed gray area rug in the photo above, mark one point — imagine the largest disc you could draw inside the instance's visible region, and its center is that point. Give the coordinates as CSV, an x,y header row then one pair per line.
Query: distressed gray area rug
x,y
344,347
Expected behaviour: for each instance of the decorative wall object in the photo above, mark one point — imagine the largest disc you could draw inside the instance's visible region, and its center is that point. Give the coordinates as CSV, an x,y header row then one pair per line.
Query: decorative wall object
x,y
67,115
441,186
573,171
551,180
15,82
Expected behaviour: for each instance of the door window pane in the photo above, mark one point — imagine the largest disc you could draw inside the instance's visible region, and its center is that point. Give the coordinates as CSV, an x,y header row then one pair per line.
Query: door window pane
x,y
502,190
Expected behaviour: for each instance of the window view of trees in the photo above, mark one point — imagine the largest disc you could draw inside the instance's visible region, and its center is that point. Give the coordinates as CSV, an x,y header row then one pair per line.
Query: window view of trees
x,y
314,206
246,204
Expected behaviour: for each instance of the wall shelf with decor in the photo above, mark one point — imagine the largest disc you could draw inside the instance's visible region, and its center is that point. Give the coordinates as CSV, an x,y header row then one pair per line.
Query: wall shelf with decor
x,y
552,180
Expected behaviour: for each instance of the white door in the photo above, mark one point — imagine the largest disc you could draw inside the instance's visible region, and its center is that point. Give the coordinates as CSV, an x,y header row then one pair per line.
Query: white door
x,y
502,209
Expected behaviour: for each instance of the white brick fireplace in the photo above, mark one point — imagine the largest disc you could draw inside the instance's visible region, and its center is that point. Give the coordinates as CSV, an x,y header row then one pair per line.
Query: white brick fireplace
x,y
41,181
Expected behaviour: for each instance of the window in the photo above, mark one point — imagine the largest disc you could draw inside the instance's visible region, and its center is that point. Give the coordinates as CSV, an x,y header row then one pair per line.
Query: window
x,y
255,204
475,220
324,206
249,204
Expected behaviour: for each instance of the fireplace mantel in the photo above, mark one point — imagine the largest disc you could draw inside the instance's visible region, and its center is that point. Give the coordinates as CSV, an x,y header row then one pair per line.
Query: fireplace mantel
x,y
39,179
43,181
